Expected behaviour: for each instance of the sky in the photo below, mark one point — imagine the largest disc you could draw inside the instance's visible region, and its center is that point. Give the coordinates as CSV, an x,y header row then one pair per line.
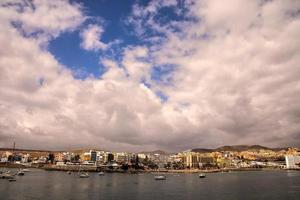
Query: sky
x,y
136,75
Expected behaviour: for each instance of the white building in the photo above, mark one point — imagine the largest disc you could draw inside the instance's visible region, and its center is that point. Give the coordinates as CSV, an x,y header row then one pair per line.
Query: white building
x,y
122,157
292,161
25,158
142,156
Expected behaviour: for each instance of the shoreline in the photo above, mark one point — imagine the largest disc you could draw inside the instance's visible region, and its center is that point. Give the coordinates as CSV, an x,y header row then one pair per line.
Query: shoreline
x,y
133,171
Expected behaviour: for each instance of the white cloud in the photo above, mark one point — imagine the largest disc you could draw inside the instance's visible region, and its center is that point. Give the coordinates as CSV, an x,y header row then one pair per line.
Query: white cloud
x,y
33,18
234,14
236,81
136,67
43,106
236,71
91,38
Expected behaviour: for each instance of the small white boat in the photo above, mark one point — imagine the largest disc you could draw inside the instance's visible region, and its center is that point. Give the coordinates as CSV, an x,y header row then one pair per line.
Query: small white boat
x,y
69,172
26,170
101,173
84,175
160,177
202,176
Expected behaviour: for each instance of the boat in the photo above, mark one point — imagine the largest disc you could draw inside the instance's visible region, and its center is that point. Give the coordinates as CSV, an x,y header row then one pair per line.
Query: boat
x,y
84,175
12,180
160,177
7,175
101,173
69,172
20,173
202,176
26,170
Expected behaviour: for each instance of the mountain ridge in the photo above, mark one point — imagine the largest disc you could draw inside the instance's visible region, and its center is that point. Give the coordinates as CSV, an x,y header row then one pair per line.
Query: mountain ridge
x,y
200,150
238,148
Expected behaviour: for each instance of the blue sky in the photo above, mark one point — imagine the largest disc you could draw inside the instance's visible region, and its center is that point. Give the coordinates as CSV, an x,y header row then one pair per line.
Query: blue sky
x,y
110,14
113,16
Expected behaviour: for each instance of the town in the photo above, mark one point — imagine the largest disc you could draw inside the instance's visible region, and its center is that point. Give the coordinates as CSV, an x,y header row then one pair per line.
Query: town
x,y
240,157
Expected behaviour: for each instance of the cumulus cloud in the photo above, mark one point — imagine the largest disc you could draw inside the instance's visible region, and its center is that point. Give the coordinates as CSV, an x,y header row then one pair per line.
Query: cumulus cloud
x,y
91,38
32,18
236,72
236,79
44,106
133,62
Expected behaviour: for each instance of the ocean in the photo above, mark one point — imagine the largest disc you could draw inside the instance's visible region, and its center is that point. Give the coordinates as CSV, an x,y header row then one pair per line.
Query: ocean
x,y
54,185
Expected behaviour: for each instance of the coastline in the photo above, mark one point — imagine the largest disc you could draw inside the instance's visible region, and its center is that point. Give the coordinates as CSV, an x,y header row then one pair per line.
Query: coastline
x,y
133,171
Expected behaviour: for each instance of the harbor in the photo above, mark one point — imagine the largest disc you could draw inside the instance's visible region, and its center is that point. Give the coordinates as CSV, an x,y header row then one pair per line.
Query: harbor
x,y
177,186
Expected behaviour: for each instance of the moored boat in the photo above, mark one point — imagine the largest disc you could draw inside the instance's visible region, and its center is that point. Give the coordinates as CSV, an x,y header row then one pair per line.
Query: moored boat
x,y
202,176
84,175
7,176
160,177
20,172
101,173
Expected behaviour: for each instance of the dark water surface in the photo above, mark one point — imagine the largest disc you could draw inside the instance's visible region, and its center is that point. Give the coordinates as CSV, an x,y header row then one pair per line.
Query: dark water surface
x,y
47,185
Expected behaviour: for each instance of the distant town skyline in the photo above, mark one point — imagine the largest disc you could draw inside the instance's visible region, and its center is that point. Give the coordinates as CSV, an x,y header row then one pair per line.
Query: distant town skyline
x,y
145,75
231,147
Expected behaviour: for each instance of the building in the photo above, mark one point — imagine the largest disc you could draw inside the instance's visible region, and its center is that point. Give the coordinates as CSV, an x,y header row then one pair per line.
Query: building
x,y
25,158
141,156
93,156
4,160
191,160
110,157
292,161
67,156
59,157
224,162
206,161
121,157
85,156
196,160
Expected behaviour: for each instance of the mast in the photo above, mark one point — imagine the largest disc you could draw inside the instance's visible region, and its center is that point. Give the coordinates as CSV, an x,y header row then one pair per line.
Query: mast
x,y
13,152
14,146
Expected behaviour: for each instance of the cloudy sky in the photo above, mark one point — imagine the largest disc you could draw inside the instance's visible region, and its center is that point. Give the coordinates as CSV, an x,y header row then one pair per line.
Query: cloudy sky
x,y
144,75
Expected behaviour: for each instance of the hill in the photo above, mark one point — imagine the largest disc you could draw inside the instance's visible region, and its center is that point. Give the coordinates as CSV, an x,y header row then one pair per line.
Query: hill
x,y
237,148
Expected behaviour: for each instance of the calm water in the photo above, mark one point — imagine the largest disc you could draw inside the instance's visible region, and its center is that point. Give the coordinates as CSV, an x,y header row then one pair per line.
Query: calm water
x,y
45,185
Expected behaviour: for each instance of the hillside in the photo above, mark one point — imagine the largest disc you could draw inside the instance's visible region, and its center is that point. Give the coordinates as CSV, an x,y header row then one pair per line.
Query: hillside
x,y
237,148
